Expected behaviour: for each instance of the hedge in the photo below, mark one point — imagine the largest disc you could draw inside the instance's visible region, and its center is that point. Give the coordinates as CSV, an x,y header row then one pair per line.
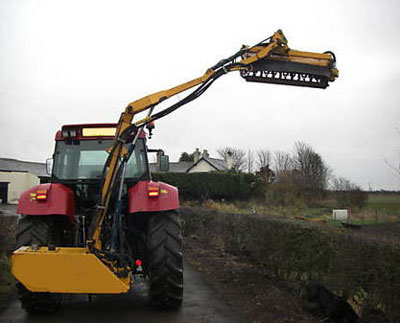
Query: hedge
x,y
8,226
212,185
348,264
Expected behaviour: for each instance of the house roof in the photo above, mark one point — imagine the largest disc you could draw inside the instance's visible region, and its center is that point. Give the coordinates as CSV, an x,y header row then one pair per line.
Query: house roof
x,y
184,167
218,164
177,167
14,165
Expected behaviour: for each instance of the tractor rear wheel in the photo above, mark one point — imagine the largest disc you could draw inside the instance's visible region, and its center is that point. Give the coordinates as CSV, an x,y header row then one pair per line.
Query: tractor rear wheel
x,y
165,260
39,231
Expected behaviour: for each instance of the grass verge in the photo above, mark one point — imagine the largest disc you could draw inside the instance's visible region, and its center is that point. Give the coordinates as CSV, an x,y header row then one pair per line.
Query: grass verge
x,y
360,266
380,209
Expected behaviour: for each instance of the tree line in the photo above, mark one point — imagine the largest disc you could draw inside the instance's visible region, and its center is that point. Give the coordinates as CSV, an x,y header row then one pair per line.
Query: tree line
x,y
289,177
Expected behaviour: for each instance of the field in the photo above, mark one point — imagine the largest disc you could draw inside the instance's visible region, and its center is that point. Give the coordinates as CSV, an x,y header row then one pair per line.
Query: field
x,y
385,204
381,208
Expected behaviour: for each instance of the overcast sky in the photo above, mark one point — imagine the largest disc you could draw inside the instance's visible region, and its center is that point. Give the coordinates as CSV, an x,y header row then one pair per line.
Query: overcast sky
x,y
65,62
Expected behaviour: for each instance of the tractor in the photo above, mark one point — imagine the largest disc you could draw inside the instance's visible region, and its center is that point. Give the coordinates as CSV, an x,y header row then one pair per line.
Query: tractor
x,y
59,213
102,221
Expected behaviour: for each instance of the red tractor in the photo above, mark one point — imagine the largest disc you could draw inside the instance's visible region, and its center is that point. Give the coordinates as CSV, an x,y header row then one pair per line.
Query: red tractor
x,y
102,220
59,213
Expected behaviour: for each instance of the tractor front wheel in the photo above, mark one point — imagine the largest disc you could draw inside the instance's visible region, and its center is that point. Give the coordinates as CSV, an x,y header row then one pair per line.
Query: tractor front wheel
x,y
165,260
39,231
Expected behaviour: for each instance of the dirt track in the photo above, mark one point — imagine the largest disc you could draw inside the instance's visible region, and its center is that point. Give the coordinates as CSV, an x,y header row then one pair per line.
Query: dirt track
x,y
201,304
247,287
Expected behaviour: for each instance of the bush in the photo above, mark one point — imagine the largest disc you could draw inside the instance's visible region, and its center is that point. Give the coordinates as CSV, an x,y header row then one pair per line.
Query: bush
x,y
7,240
348,194
212,185
8,225
283,194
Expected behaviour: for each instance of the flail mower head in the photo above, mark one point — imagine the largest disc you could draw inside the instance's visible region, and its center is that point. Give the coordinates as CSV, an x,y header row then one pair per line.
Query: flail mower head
x,y
291,67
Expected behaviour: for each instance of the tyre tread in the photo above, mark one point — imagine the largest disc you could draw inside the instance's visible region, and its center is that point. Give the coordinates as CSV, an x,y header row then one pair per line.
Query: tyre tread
x,y
166,260
36,230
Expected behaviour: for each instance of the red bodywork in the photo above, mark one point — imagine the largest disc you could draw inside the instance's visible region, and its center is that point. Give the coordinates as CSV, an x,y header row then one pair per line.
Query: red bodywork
x,y
59,201
140,201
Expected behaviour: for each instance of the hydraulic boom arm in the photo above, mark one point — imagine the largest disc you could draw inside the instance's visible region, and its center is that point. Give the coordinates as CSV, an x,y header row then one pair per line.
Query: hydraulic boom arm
x,y
270,61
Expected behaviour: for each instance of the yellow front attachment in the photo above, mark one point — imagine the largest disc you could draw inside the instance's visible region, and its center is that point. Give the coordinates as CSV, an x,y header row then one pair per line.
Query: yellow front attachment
x,y
65,270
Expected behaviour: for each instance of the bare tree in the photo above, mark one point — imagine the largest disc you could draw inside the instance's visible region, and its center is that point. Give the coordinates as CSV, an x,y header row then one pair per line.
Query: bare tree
x,y
283,162
348,194
238,157
264,158
250,161
340,184
313,173
395,168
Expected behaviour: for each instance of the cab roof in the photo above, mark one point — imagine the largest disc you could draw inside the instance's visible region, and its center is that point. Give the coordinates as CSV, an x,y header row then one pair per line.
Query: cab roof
x,y
89,131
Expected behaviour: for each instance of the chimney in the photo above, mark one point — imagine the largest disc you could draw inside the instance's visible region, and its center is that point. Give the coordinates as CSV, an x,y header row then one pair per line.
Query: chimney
x,y
196,155
205,153
229,160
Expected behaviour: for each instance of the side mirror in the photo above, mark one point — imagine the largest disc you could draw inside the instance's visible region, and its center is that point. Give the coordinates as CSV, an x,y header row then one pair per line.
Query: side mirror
x,y
163,163
49,165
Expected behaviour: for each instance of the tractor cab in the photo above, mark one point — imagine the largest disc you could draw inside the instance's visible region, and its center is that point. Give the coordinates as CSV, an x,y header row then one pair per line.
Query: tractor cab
x,y
79,157
81,152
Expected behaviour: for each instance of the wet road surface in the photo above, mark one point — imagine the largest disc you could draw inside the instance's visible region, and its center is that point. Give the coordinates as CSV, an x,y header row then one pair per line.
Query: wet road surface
x,y
201,304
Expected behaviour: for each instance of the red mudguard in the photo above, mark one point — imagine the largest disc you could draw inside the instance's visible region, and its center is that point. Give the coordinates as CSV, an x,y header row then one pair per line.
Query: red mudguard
x,y
153,197
48,199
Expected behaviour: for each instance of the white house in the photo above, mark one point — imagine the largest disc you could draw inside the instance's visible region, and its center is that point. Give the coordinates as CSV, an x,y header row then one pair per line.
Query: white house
x,y
17,176
202,163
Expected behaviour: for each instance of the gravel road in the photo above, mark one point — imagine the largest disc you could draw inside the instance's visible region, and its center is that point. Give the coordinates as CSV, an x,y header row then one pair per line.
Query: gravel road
x,y
201,304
